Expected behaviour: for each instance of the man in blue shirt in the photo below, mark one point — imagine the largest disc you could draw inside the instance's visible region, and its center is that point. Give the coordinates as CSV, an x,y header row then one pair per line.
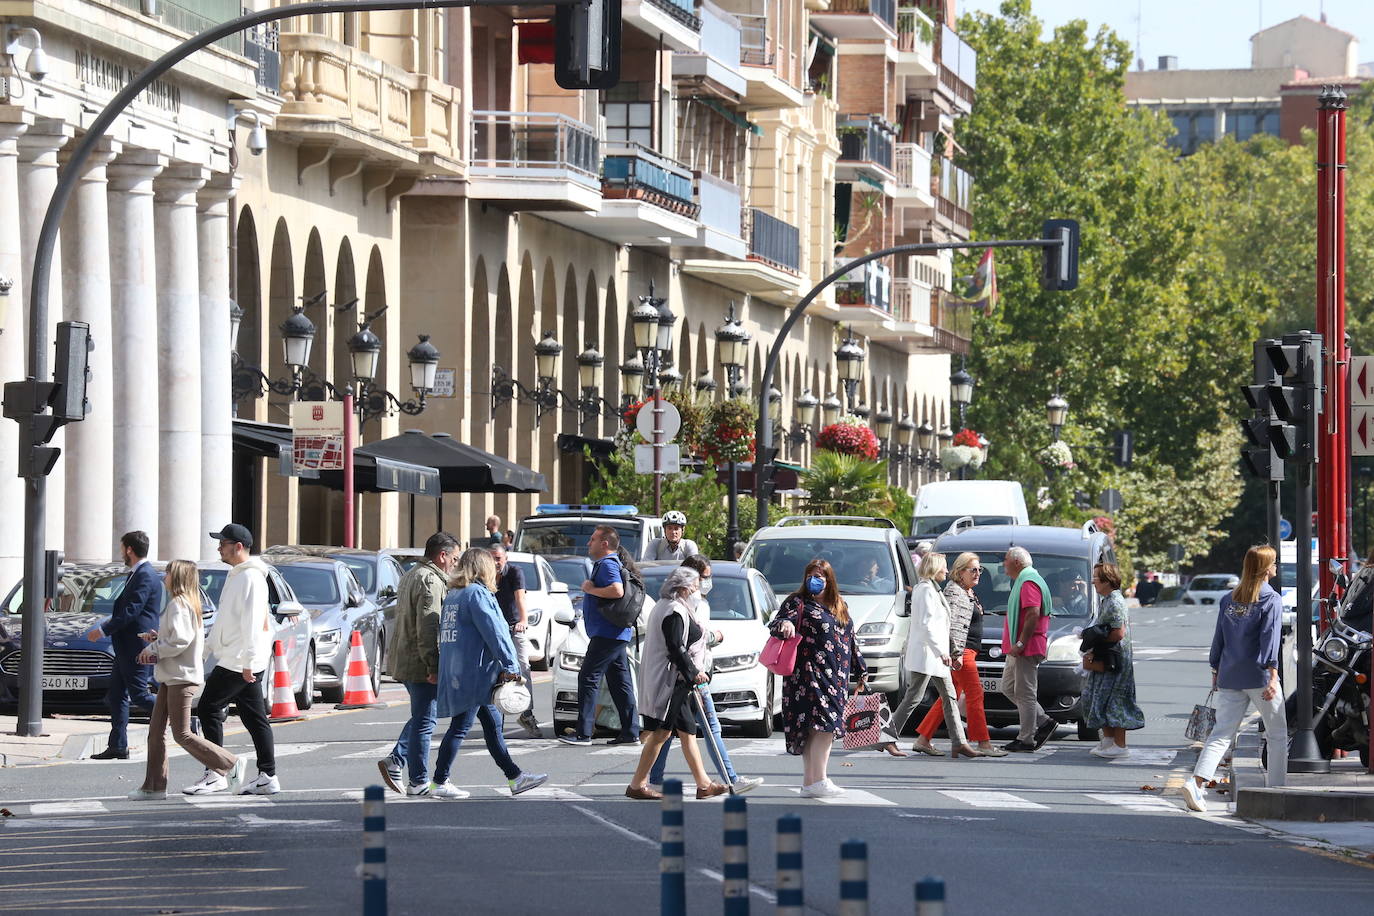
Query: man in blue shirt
x,y
606,646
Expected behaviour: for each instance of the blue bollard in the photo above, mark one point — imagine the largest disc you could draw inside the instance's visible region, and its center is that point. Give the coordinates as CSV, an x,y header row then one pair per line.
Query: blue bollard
x,y
853,878
789,865
672,879
930,897
374,851
736,862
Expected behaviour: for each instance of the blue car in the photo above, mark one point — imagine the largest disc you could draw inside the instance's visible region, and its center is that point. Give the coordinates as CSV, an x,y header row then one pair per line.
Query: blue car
x,y
76,671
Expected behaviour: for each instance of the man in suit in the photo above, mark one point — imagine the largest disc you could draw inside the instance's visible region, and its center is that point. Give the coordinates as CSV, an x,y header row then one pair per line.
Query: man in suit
x,y
135,611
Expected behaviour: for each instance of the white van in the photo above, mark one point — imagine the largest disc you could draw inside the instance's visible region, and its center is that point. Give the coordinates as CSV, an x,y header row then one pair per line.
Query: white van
x,y
1288,572
989,502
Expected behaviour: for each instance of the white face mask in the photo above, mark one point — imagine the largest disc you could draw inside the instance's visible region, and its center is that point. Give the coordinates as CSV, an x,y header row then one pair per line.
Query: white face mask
x,y
706,586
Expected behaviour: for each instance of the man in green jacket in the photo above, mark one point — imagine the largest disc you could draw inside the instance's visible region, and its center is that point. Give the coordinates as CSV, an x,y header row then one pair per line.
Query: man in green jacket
x,y
413,659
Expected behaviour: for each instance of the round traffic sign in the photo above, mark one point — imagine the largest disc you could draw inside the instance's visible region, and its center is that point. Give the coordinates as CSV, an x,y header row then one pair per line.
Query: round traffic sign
x,y
669,421
1285,529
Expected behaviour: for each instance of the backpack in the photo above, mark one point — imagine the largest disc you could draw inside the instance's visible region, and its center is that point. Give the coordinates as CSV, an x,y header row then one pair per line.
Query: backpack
x,y
624,611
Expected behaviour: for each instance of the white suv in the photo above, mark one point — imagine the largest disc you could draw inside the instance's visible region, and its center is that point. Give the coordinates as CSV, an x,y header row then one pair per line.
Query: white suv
x,y
875,574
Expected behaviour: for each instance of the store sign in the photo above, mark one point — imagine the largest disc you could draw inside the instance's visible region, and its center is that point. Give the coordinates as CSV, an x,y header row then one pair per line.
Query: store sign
x,y
317,435
443,383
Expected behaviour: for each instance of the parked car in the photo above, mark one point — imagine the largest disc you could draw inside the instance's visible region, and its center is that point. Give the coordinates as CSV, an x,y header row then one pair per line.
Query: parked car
x,y
875,574
1064,557
545,595
291,624
1209,588
405,557
76,671
565,529
744,692
338,605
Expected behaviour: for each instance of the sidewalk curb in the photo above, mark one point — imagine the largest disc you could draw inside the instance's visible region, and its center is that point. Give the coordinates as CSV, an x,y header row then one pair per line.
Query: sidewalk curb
x,y
1255,802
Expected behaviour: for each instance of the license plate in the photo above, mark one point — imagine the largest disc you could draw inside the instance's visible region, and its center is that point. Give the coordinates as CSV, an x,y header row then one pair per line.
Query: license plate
x,y
991,684
51,682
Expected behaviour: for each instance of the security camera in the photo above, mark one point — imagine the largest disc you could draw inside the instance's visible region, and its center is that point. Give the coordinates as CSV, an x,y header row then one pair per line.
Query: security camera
x,y
257,140
37,66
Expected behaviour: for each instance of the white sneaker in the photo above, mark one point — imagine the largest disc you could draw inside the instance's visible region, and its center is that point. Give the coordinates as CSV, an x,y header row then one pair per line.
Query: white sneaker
x,y
526,781
419,789
210,782
147,794
263,785
823,789
1194,795
1104,744
446,790
745,784
1112,751
390,769
234,778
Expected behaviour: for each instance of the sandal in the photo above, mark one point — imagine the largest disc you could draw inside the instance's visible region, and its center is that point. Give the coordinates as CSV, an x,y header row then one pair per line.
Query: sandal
x,y
929,749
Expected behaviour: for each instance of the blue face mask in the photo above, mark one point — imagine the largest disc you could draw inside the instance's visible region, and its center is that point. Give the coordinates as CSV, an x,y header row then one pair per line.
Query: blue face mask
x,y
815,584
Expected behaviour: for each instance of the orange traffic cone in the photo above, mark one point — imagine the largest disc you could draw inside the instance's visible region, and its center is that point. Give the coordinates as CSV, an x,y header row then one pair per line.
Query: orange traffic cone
x,y
358,678
283,700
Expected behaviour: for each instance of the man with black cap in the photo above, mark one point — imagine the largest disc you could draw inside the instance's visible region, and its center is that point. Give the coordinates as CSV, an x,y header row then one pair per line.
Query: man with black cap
x,y
241,642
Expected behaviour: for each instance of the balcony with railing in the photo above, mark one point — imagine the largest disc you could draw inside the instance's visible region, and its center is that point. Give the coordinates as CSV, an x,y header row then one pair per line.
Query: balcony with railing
x,y
953,198
865,151
958,69
534,161
718,62
773,241
722,218
647,200
952,324
911,164
675,22
911,301
766,68
262,45
858,19
916,34
194,16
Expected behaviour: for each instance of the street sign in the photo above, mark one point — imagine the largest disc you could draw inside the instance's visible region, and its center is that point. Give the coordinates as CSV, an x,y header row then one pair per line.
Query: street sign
x,y
670,462
1110,500
1362,381
669,423
1176,553
1285,529
317,432
1361,431
443,383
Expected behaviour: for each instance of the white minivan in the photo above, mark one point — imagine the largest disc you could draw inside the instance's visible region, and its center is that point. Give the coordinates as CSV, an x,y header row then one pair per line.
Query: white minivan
x,y
988,502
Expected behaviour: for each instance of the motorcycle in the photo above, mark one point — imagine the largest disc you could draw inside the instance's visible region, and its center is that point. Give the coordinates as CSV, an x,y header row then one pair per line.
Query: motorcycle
x,y
1340,674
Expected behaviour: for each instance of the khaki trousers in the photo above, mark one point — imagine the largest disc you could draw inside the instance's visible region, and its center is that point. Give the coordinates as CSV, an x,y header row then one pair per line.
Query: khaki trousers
x,y
1020,682
174,705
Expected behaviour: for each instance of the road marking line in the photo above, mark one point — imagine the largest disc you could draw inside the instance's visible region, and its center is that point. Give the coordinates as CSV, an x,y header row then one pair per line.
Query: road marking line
x,y
855,797
1154,757
553,793
983,799
294,750
69,807
228,801
619,750
1152,804
941,817
760,747
381,750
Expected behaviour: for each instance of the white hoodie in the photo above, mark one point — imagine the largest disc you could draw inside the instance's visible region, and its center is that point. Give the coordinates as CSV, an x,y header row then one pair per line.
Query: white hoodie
x,y
241,639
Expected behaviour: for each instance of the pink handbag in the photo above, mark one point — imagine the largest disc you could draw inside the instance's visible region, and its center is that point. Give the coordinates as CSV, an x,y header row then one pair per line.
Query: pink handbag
x,y
780,655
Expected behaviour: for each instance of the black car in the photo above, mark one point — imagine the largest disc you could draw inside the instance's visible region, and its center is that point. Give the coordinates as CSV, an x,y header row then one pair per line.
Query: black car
x,y
1064,557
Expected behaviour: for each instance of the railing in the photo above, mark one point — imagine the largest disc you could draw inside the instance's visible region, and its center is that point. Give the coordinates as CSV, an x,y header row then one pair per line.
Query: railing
x,y
865,141
774,241
911,300
720,205
510,142
262,45
756,48
953,324
958,65
632,171
681,10
915,31
720,35
882,9
193,16
912,166
954,194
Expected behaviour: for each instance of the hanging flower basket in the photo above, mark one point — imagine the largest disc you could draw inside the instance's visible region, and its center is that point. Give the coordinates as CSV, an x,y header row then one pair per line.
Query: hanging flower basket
x,y
729,432
1056,455
954,457
968,438
846,439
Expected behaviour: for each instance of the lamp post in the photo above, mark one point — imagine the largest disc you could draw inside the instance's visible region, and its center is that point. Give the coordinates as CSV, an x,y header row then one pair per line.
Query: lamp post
x,y
849,362
961,392
882,426
804,416
1056,411
925,444
906,442
830,409
653,322
546,396
732,347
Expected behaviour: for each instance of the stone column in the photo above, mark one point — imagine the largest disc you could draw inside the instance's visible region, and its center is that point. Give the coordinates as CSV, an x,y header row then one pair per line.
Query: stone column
x,y
37,178
86,295
216,397
133,300
14,120
178,359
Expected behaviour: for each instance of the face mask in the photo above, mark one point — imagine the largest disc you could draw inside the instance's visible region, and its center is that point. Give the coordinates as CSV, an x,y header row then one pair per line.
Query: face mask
x,y
706,586
815,585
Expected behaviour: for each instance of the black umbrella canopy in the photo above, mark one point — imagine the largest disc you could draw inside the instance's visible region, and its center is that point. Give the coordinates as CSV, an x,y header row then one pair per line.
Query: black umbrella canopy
x,y
462,468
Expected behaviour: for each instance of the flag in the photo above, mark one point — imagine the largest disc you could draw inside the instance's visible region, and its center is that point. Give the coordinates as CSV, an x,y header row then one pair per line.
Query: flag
x,y
981,288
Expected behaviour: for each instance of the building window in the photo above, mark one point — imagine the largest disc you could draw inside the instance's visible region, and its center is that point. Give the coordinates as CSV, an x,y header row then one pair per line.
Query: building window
x,y
1245,124
628,119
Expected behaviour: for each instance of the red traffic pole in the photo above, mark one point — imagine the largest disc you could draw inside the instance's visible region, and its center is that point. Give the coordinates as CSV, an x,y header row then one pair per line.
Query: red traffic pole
x,y
348,469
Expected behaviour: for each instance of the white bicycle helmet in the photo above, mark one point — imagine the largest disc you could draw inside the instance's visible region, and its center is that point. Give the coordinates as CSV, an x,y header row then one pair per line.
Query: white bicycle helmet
x,y
675,518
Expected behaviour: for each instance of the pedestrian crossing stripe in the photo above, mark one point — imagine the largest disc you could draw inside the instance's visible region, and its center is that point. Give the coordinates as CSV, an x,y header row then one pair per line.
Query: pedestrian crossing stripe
x,y
1152,804
228,801
71,807
377,752
856,797
989,799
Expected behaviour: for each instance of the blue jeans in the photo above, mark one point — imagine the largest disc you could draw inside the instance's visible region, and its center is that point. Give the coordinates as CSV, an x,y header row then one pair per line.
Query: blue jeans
x,y
458,726
128,686
606,656
412,747
710,729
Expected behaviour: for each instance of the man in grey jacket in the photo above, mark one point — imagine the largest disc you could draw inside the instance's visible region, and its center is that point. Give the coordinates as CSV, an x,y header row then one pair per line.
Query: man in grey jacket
x,y
413,659
241,643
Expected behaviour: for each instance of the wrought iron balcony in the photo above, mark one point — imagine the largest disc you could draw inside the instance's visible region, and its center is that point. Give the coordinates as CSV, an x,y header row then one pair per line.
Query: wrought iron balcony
x,y
684,11
865,141
773,241
635,172
193,16
262,45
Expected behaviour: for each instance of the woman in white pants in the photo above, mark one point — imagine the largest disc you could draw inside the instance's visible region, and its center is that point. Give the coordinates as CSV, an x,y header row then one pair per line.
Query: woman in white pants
x,y
1245,670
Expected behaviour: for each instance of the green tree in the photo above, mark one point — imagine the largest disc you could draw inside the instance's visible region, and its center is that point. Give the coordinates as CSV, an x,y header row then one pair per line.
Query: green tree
x,y
841,484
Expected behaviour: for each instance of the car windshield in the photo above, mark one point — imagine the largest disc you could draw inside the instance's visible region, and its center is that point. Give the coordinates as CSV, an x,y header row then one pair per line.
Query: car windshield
x,y
572,571
81,592
862,567
1067,577
924,526
529,572
312,584
571,536
363,569
1289,573
406,560
1217,583
212,580
729,598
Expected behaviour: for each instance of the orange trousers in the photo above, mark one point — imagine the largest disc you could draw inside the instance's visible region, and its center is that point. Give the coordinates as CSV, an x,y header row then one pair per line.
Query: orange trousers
x,y
968,686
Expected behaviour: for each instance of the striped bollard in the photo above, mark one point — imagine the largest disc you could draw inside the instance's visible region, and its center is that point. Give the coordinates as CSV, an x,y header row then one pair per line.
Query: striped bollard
x,y
930,897
736,884
672,879
853,878
789,865
374,851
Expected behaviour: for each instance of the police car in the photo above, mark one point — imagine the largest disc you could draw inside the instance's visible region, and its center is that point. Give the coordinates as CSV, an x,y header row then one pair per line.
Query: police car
x,y
562,528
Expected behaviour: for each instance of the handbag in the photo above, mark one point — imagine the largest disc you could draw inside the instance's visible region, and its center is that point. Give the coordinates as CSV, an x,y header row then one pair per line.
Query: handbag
x,y
1202,721
780,655
866,720
511,697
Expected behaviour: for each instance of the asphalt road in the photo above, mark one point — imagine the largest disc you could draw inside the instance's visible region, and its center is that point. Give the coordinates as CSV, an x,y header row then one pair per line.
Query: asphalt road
x,y
1059,831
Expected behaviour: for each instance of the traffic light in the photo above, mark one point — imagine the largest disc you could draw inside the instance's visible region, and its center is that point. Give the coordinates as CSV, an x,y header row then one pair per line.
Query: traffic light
x,y
71,370
1263,457
1294,394
1123,447
1060,260
587,45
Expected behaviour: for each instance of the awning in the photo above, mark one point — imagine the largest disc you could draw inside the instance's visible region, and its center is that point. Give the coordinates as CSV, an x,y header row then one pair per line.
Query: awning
x,y
375,474
462,468
733,117
268,440
599,448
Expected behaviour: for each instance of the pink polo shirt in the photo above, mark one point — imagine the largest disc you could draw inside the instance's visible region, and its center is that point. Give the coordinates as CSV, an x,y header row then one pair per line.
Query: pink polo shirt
x,y
1039,641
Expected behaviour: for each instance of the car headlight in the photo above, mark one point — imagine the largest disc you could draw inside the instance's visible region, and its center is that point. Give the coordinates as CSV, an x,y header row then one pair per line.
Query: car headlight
x,y
736,662
570,661
328,640
994,652
532,618
1336,650
1064,649
876,629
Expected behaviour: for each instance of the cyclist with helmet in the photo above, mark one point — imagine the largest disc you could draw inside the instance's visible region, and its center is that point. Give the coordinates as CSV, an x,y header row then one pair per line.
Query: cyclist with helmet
x,y
673,546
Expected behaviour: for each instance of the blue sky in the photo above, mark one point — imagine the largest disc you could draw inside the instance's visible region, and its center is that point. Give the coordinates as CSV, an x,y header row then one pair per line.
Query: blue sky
x,y
1203,34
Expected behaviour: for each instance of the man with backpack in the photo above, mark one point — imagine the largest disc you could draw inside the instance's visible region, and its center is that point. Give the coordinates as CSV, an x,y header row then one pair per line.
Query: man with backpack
x,y
613,597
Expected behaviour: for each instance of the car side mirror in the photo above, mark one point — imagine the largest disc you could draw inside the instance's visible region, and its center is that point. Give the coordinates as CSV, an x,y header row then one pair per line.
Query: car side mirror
x,y
289,609
558,588
565,616
387,593
355,599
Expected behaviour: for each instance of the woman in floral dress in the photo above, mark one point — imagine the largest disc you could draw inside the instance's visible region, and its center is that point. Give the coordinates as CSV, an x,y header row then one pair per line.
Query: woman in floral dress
x,y
1108,699
813,695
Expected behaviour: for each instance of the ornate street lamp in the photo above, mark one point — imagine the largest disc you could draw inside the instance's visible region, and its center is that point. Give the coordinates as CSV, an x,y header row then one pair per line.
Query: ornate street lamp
x,y
546,353
961,391
589,363
669,377
236,313
849,362
632,378
297,334
804,414
860,410
1056,411
732,349
830,409
882,425
365,351
906,436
